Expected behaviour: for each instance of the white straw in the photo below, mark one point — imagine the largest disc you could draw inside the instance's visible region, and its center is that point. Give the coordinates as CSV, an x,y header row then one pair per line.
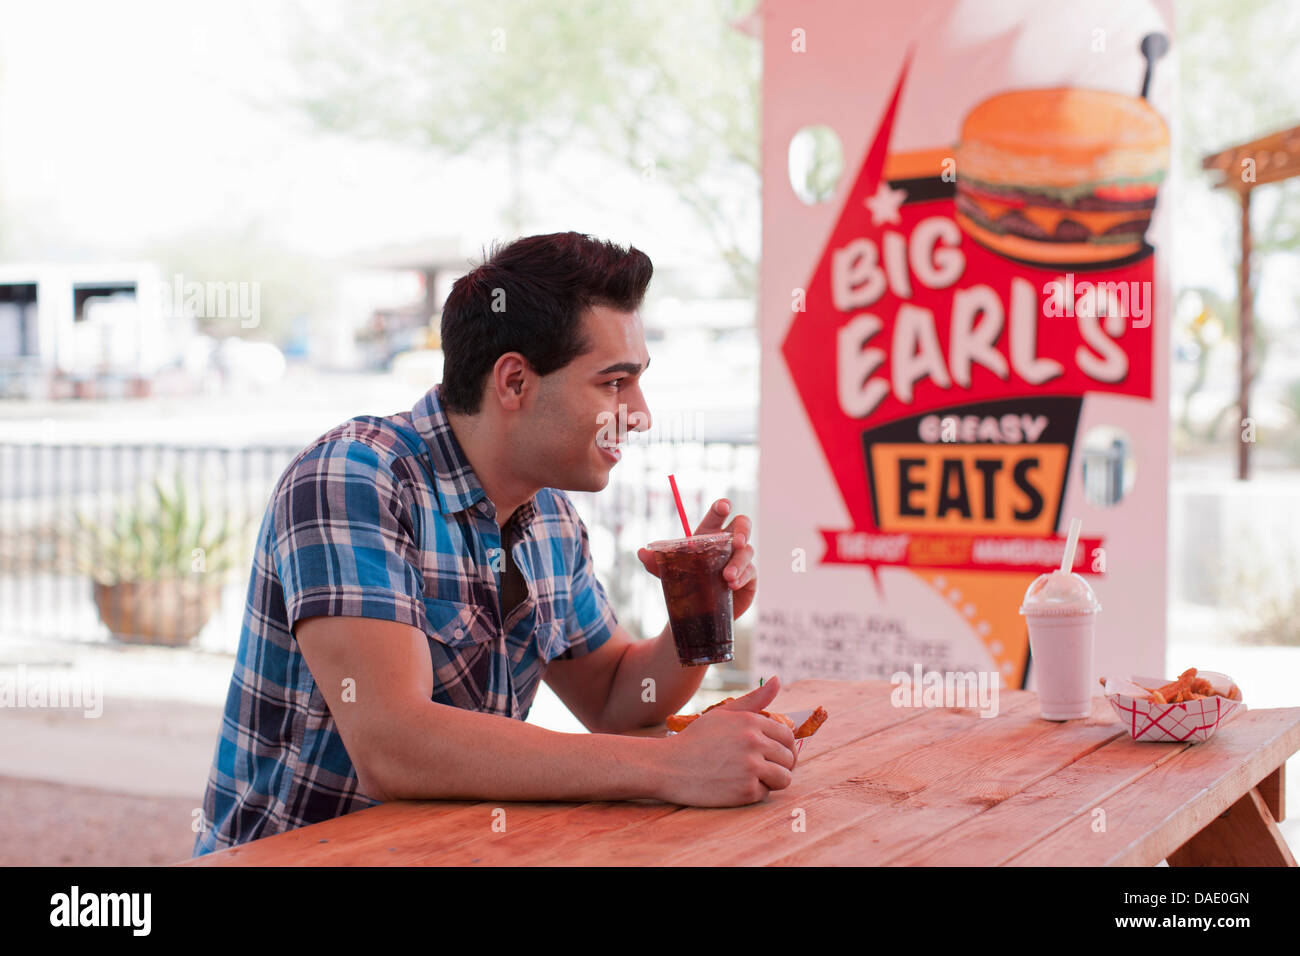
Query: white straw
x,y
1067,560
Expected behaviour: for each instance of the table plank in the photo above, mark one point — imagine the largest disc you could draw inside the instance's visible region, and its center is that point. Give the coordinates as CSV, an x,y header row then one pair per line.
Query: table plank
x,y
877,784
749,834
855,712
954,780
1021,821
1247,835
396,833
1273,789
1162,810
337,842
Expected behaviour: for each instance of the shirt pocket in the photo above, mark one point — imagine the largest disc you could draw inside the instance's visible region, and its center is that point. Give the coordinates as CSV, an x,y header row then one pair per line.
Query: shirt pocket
x,y
458,625
463,647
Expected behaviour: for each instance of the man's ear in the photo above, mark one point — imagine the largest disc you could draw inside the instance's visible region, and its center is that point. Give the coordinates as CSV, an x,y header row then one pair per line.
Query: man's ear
x,y
514,375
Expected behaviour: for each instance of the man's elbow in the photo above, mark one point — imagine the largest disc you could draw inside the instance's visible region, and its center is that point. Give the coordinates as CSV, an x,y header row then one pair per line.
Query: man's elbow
x,y
380,788
598,725
614,725
380,770
603,723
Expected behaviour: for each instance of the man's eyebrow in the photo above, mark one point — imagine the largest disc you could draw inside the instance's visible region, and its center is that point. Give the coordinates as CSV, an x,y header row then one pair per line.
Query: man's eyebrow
x,y
632,368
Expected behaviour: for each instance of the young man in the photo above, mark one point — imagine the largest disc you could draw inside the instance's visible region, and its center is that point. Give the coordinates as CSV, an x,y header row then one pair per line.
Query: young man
x,y
417,575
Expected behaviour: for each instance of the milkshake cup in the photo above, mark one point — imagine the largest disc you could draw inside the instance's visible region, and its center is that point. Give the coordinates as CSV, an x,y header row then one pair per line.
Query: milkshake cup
x,y
1061,612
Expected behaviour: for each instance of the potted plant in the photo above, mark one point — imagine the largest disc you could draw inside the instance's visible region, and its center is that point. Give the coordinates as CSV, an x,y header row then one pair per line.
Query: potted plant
x,y
159,567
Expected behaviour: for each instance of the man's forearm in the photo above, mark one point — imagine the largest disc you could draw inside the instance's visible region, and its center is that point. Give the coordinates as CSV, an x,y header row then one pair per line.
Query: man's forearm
x,y
442,752
631,702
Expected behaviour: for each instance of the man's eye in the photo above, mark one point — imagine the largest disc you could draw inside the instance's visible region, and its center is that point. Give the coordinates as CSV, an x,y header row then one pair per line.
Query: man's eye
x,y
616,382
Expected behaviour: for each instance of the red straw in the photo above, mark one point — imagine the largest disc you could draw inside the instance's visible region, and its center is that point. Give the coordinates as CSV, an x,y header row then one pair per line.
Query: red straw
x,y
681,512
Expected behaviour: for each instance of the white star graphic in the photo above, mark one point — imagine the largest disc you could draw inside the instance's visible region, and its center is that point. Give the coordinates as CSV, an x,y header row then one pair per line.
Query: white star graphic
x,y
884,204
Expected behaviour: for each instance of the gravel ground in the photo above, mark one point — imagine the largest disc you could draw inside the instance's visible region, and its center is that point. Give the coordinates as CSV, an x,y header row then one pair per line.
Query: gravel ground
x,y
51,824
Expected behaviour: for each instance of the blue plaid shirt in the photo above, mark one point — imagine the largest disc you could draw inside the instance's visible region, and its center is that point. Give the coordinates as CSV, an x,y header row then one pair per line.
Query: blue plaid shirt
x,y
384,518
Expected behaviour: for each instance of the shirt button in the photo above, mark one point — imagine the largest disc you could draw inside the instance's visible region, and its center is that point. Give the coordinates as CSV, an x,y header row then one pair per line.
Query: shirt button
x,y
460,632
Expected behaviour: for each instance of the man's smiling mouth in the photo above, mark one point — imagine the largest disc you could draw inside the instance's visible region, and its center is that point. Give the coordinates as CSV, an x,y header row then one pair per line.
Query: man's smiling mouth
x,y
611,450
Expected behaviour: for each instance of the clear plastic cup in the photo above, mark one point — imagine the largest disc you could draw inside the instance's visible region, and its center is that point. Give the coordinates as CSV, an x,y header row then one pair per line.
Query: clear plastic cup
x,y
1061,612
698,598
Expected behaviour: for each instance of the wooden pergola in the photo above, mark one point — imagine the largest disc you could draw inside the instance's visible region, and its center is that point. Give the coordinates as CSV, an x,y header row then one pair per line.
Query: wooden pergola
x,y
1269,159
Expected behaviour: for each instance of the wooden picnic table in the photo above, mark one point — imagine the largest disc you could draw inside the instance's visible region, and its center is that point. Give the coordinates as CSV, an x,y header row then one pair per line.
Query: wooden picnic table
x,y
880,784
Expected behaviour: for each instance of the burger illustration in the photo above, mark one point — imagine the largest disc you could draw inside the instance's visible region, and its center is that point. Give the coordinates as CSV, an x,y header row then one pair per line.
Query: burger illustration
x,y
1060,176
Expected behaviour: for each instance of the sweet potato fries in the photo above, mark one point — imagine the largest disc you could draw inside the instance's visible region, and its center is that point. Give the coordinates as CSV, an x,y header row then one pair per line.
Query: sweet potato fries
x,y
678,722
1188,687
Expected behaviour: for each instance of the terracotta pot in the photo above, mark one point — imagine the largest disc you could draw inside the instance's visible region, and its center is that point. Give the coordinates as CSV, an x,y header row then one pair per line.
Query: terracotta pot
x,y
170,612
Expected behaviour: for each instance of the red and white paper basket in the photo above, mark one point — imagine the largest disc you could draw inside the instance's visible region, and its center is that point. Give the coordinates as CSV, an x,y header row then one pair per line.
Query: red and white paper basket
x,y
1193,721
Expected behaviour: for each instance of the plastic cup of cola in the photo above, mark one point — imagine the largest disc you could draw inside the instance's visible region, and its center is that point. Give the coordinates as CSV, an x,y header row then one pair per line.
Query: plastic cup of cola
x,y
698,598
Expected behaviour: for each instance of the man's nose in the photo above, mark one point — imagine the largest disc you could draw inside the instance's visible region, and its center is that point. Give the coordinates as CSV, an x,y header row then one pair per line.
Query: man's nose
x,y
638,413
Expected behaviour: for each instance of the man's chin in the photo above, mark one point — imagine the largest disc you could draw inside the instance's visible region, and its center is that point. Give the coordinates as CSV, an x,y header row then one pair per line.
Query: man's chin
x,y
591,481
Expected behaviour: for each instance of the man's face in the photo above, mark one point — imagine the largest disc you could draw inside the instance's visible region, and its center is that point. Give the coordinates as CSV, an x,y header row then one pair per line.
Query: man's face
x,y
575,432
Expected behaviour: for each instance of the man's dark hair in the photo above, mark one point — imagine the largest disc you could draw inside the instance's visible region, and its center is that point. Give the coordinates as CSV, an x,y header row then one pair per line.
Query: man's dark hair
x,y
528,297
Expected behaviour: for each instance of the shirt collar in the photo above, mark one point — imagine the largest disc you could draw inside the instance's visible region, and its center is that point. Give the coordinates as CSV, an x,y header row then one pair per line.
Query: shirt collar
x,y
457,485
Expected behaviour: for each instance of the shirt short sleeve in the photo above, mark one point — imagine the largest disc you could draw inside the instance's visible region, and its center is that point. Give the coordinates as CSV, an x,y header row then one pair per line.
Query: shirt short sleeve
x,y
344,542
591,620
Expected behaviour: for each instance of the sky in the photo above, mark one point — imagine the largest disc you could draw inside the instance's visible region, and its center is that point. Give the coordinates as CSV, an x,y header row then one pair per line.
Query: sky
x,y
128,124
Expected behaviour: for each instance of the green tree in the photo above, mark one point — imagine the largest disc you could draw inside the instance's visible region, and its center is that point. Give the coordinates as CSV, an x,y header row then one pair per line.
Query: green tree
x,y
669,90
289,284
1238,76
1211,321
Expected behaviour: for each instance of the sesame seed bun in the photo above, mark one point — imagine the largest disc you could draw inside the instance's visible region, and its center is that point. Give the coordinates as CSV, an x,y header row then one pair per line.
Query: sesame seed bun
x,y
1062,137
